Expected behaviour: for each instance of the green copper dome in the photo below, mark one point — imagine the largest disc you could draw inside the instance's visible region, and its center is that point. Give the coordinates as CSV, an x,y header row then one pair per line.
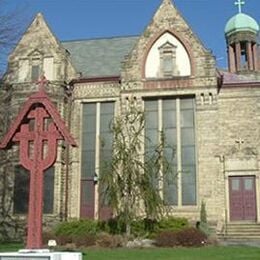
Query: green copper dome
x,y
241,22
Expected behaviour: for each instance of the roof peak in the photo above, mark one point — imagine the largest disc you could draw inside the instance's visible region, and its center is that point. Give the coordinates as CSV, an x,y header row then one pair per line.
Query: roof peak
x,y
39,15
167,2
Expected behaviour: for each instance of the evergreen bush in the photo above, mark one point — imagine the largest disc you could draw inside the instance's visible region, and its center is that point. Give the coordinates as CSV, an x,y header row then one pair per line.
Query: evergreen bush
x,y
143,227
203,224
77,228
114,226
203,213
171,224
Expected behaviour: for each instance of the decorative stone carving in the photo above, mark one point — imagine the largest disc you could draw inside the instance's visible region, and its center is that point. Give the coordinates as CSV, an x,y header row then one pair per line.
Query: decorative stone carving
x,y
249,164
96,90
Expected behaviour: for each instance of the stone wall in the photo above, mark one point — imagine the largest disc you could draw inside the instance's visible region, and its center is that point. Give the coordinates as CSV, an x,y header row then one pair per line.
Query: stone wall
x,y
239,116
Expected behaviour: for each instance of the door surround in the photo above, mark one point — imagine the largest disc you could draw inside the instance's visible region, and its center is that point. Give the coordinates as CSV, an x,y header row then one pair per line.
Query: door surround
x,y
241,167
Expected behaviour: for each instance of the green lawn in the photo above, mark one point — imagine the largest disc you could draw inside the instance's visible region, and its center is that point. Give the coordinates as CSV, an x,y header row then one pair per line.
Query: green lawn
x,y
209,253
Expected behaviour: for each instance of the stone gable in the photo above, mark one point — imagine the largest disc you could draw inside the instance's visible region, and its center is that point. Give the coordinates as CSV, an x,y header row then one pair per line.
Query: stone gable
x,y
38,42
168,19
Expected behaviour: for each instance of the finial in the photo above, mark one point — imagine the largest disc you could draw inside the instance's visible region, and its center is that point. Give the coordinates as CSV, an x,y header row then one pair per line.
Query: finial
x,y
167,1
42,82
239,3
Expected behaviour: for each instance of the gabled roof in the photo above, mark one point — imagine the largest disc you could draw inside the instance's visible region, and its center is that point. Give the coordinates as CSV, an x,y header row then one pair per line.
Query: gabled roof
x,y
99,57
38,98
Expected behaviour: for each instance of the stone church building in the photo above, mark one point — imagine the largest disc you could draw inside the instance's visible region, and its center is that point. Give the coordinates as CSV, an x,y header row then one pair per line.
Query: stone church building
x,y
211,116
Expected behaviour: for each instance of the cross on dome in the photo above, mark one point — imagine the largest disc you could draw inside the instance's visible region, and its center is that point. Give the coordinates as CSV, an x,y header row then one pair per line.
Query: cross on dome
x,y
239,3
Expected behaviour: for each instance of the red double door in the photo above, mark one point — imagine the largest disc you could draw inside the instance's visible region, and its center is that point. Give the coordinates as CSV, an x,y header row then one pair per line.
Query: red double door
x,y
242,198
88,209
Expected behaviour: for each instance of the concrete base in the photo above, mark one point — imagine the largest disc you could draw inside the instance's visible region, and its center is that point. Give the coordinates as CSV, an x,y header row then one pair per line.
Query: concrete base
x,y
41,254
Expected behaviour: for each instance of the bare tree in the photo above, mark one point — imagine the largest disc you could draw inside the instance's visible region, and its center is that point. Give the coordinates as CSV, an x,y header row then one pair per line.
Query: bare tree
x,y
12,24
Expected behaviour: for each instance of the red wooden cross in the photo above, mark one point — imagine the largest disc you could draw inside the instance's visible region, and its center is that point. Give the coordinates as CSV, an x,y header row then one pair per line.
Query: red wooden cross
x,y
37,164
38,151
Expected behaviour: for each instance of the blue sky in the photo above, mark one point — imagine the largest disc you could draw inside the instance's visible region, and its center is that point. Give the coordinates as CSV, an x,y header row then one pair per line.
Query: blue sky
x,y
84,19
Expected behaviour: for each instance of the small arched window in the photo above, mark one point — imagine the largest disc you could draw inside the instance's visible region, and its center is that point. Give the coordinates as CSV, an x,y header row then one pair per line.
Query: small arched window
x,y
168,66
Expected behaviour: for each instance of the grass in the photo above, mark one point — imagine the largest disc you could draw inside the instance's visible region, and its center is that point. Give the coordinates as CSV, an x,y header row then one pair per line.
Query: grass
x,y
209,253
10,247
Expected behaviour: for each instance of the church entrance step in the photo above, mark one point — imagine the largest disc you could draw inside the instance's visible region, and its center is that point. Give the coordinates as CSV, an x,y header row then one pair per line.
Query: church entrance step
x,y
241,232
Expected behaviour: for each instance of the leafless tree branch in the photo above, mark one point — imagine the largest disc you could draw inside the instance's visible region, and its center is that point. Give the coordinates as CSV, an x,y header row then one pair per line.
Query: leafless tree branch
x,y
12,25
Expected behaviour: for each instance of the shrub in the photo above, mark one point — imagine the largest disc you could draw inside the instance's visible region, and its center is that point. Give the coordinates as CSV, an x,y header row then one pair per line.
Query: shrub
x,y
80,232
114,226
109,241
139,227
63,239
119,241
84,240
171,224
204,227
166,239
103,226
191,237
188,237
77,228
143,227
203,213
46,236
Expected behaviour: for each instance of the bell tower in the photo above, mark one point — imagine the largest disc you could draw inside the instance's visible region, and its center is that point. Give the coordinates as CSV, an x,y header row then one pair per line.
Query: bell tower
x,y
241,37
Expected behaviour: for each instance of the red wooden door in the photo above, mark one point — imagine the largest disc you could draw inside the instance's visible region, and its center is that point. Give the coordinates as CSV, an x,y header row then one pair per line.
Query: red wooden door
x,y
105,211
87,208
87,205
242,197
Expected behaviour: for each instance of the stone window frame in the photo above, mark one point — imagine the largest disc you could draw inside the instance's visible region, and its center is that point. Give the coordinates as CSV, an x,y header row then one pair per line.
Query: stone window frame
x,y
35,60
166,51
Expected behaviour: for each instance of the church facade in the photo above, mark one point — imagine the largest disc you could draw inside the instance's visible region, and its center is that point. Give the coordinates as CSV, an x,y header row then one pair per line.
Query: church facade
x,y
211,116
